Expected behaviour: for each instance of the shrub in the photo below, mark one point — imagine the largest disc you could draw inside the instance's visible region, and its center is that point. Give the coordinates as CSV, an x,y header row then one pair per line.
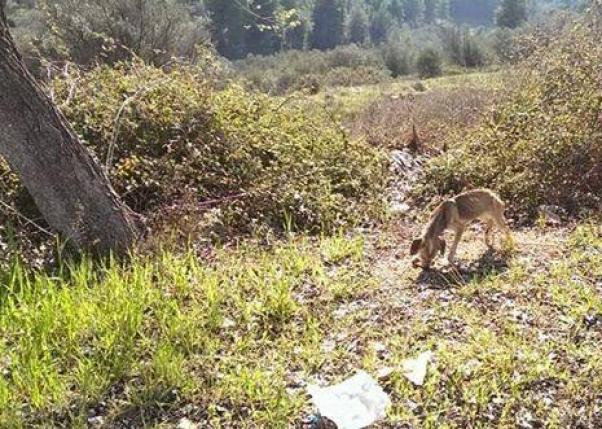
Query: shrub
x,y
462,47
346,76
428,63
436,113
397,60
544,145
155,30
288,71
168,136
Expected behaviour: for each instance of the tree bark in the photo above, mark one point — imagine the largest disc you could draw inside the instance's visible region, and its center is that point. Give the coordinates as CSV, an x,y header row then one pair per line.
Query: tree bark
x,y
67,184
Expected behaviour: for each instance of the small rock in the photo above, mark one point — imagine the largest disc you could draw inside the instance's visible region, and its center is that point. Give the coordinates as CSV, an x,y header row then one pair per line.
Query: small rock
x,y
399,207
96,421
415,369
185,423
380,349
385,373
228,323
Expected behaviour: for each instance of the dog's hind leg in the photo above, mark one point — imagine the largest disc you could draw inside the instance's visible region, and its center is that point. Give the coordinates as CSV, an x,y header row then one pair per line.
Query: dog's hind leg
x,y
452,251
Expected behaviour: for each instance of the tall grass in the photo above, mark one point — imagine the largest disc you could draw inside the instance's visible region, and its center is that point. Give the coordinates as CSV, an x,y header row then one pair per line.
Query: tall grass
x,y
140,339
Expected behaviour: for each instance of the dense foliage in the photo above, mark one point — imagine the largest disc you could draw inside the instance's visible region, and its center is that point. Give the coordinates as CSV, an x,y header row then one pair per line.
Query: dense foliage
x,y
107,31
511,13
156,30
253,160
544,145
354,65
429,63
294,70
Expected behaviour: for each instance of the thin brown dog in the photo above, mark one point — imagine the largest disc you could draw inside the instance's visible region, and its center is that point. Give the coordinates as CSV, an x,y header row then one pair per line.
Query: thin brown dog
x,y
454,214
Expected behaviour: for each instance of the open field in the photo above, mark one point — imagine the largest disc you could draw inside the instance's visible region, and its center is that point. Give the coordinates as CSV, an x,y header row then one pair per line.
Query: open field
x,y
349,101
230,341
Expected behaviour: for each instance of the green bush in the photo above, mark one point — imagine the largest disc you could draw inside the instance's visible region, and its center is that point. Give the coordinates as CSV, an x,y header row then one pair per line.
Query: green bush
x,y
251,158
543,145
428,63
288,71
462,47
397,59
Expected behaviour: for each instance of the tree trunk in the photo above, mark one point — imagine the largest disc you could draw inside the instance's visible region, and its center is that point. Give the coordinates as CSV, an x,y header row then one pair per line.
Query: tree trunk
x,y
67,184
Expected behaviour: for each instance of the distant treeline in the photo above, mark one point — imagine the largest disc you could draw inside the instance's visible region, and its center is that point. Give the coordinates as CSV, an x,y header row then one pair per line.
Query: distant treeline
x,y
266,26
158,30
263,27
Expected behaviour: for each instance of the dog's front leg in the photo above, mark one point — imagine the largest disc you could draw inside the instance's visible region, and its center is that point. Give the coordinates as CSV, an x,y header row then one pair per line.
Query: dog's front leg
x,y
489,233
452,251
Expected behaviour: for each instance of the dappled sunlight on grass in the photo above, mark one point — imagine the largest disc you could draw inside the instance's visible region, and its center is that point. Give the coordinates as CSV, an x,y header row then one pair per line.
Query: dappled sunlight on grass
x,y
232,342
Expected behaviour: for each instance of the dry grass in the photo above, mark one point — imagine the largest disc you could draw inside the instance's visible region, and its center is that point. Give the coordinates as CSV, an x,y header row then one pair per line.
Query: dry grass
x,y
446,106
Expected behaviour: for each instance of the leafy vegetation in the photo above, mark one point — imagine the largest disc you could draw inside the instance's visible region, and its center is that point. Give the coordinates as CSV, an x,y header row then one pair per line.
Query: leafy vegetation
x,y
543,145
313,70
157,30
511,13
260,161
429,63
217,319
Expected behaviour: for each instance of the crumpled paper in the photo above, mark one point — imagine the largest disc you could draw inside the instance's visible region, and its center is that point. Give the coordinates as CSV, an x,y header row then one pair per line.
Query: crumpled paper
x,y
353,404
415,369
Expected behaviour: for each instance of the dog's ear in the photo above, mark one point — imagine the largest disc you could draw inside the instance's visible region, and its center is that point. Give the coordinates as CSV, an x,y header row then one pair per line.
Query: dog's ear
x,y
415,246
442,246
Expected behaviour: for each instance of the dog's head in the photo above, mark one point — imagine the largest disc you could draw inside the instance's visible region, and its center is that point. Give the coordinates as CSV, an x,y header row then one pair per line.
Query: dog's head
x,y
425,250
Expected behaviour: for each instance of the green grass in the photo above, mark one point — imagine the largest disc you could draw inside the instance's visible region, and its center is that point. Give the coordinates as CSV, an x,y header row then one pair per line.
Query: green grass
x,y
170,330
228,342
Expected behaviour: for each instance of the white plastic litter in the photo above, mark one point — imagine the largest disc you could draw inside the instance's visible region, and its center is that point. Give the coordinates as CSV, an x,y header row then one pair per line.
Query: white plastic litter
x,y
184,423
353,404
415,369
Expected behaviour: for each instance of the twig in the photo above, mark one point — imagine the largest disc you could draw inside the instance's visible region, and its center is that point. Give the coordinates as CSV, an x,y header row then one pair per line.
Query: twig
x,y
26,219
72,89
267,19
117,123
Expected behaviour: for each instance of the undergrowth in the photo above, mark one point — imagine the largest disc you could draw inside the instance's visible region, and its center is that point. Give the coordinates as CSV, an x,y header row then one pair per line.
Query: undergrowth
x,y
174,145
147,338
543,145
231,340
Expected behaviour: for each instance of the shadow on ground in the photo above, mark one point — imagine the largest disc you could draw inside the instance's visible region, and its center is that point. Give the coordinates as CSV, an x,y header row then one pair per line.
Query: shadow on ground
x,y
490,262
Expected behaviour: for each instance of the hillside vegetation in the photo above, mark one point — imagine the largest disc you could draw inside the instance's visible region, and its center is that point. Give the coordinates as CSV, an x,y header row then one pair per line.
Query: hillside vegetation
x,y
176,148
544,144
277,230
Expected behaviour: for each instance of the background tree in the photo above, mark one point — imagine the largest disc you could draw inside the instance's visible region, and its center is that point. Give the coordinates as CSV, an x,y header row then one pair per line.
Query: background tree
x,y
358,25
396,53
430,10
395,8
380,25
295,32
443,9
67,185
328,19
260,36
414,11
511,13
473,12
228,24
428,63
155,30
